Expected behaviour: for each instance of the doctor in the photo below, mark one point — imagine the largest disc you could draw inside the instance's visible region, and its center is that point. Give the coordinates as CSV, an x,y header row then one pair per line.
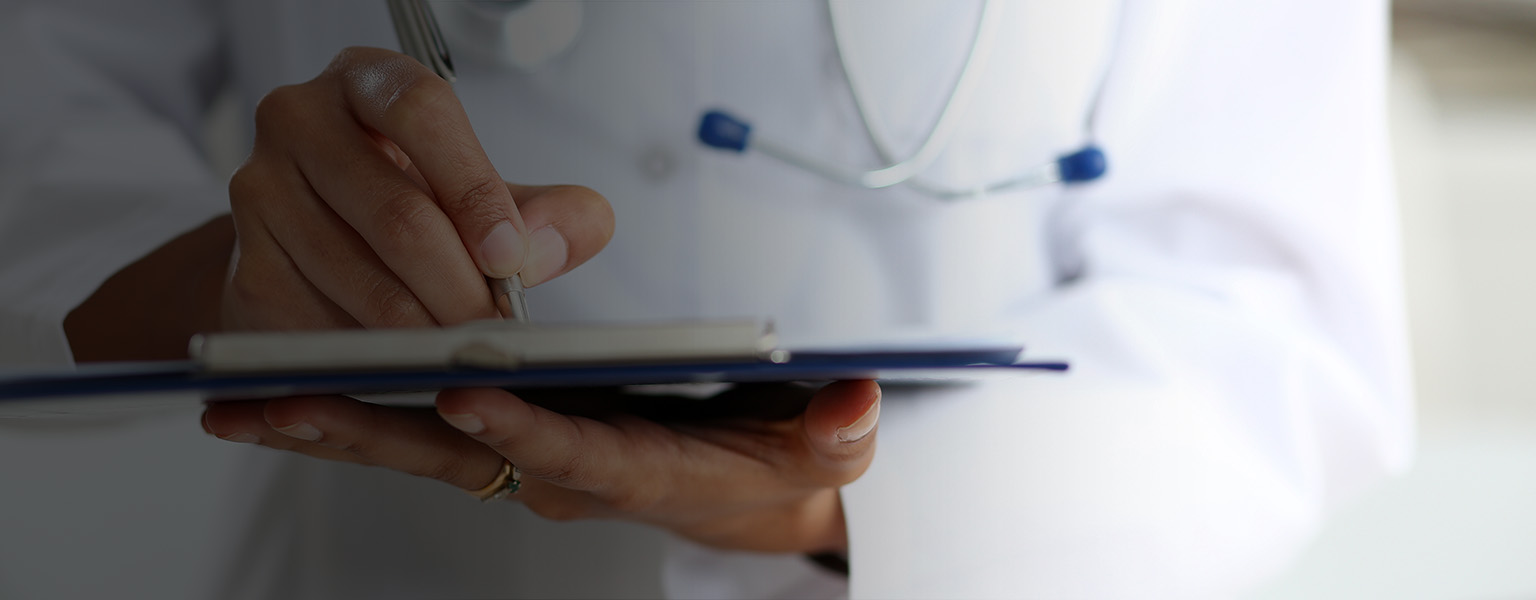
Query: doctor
x,y
1228,296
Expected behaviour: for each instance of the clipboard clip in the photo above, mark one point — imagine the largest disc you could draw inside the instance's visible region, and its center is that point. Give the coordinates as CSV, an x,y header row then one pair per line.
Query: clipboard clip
x,y
500,345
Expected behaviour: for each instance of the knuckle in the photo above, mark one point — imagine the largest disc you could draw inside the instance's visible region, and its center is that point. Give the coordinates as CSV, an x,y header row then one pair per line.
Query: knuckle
x,y
384,83
574,467
478,199
354,62
280,105
254,183
412,100
569,471
391,305
449,469
405,216
245,186
349,56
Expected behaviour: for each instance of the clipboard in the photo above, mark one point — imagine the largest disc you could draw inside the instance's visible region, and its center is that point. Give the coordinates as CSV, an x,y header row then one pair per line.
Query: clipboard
x,y
492,354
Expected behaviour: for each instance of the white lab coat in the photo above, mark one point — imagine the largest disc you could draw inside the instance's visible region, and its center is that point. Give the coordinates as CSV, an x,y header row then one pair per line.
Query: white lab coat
x,y
1228,296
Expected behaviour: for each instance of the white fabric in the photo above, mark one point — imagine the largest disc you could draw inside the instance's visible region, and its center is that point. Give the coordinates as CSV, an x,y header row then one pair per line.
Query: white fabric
x,y
97,166
1229,296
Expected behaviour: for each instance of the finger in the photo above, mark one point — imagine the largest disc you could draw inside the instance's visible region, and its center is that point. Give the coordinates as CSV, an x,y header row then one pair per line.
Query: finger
x,y
839,426
568,225
244,423
403,162
252,422
335,263
411,441
407,103
571,452
266,290
396,219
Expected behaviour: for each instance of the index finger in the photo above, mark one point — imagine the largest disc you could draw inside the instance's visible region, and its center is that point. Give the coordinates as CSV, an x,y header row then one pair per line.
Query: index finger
x,y
411,106
570,452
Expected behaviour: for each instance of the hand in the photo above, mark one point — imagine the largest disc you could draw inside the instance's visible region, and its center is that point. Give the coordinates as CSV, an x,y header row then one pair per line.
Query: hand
x,y
368,201
767,485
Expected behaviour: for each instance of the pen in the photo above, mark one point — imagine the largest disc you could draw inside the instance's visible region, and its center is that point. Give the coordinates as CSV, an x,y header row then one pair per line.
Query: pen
x,y
421,39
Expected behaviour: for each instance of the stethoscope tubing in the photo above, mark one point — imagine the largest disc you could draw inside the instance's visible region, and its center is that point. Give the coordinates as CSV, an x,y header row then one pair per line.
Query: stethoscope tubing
x,y
724,130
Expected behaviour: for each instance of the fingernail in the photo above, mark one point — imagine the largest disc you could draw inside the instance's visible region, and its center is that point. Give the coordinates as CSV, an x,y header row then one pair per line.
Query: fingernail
x,y
240,438
547,253
503,250
856,430
466,423
301,430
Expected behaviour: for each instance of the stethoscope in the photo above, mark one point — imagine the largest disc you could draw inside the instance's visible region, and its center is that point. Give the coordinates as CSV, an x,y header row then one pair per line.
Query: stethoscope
x,y
725,131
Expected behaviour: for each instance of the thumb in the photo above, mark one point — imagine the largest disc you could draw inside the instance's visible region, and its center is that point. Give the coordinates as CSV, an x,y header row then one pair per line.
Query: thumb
x,y
840,423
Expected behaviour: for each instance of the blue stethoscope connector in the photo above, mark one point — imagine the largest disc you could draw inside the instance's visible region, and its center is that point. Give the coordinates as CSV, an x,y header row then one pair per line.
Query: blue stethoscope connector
x,y
722,130
718,129
1083,166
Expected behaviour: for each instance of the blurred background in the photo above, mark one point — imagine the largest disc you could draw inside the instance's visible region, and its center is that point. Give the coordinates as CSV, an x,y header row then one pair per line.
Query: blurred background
x,y
1462,523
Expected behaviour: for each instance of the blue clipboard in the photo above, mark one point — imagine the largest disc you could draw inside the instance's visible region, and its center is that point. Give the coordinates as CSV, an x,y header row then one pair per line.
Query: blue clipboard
x,y
186,379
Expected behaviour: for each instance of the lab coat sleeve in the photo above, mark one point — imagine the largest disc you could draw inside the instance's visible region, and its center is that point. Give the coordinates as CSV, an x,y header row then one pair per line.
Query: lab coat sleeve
x,y
99,159
1230,301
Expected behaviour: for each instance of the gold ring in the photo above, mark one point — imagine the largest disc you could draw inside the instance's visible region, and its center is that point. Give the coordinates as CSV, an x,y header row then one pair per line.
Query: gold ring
x,y
507,482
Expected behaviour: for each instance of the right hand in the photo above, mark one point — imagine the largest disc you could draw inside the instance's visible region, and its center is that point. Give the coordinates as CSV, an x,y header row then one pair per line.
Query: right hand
x,y
367,201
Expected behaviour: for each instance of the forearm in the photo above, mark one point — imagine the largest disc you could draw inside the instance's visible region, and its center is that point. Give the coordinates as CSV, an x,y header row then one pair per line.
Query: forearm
x,y
149,309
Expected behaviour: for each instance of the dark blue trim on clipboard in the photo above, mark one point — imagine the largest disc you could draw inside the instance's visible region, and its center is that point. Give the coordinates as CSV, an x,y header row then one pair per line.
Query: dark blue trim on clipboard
x,y
804,366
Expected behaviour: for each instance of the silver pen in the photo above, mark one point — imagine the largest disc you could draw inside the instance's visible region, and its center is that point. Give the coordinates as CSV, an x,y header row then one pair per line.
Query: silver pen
x,y
421,39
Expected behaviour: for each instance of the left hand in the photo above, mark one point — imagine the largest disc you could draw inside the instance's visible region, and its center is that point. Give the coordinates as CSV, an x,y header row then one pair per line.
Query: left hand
x,y
767,485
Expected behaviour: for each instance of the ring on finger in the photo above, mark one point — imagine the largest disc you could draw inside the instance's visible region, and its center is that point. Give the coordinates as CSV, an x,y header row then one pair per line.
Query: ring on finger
x,y
507,482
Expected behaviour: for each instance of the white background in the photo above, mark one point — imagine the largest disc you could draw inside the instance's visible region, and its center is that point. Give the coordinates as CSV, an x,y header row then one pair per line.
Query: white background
x,y
1462,523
